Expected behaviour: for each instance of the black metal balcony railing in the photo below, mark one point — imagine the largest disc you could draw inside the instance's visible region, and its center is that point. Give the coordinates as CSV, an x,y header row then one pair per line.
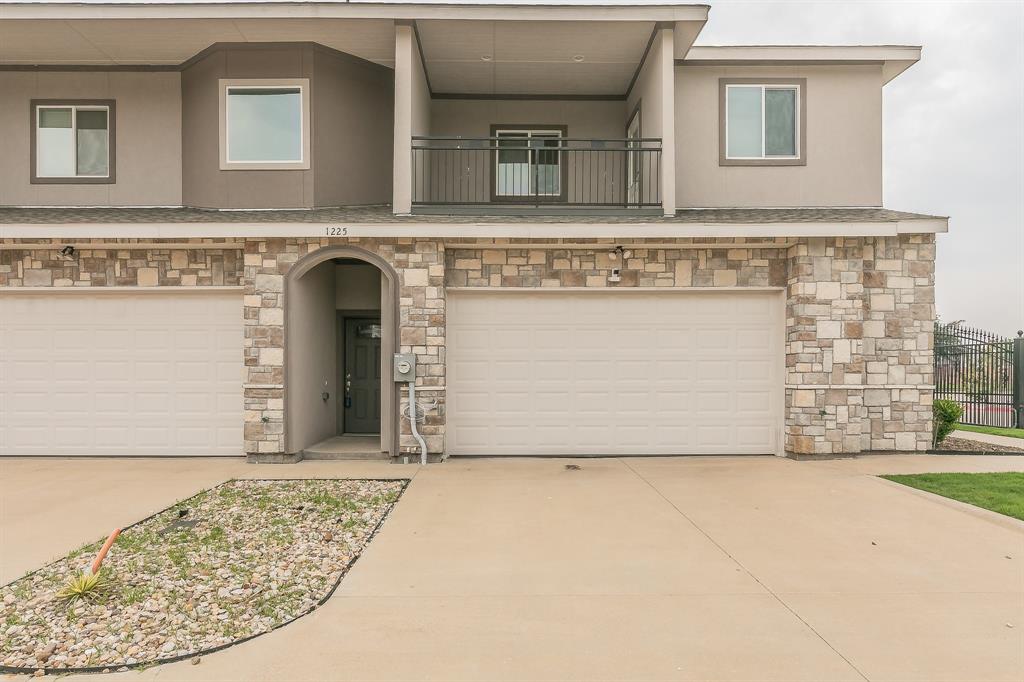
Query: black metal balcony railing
x,y
536,171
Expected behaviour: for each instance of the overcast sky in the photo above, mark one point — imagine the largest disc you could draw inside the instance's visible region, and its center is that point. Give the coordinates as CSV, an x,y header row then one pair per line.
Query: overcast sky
x,y
954,128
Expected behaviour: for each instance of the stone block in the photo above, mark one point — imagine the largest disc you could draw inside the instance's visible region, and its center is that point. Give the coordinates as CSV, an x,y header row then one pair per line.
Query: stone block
x,y
271,316
877,397
828,290
842,350
494,256
829,329
415,277
38,279
272,357
803,398
883,302
684,273
269,283
906,441
725,278
147,277
179,260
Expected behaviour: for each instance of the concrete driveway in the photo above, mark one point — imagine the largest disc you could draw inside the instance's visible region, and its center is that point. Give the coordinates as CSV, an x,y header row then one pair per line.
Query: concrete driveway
x,y
752,568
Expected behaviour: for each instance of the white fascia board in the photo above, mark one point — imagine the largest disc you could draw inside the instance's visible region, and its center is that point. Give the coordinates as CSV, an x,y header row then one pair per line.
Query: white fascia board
x,y
175,9
895,59
464,230
930,226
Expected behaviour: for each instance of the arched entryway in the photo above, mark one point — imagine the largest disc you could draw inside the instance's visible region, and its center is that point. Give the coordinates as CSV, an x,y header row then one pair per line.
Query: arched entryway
x,y
341,330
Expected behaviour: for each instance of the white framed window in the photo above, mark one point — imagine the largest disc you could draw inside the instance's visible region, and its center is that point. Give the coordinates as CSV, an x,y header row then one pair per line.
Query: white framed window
x,y
72,141
264,124
762,122
528,162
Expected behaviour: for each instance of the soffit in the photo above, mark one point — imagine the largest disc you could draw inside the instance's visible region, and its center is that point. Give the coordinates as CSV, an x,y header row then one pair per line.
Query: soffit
x,y
532,57
168,42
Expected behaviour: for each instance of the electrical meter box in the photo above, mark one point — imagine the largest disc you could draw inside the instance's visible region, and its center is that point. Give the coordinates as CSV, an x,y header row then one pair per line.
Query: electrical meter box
x,y
405,367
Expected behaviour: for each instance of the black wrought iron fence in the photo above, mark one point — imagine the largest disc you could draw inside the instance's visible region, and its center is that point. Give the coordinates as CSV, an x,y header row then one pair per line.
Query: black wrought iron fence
x,y
536,170
983,372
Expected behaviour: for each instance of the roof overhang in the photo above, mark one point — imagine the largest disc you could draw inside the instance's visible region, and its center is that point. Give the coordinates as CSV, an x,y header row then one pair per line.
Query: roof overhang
x,y
342,9
591,50
462,230
894,59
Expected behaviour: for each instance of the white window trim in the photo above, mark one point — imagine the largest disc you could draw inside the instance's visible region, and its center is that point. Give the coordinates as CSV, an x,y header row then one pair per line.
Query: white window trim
x,y
528,133
74,138
796,121
302,84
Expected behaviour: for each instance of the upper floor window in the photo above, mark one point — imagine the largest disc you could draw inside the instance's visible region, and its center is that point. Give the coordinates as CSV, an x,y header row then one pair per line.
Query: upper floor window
x,y
72,141
762,122
528,163
264,124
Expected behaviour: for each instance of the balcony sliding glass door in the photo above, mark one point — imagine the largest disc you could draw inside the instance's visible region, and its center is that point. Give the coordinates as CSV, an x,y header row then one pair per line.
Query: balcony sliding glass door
x,y
528,163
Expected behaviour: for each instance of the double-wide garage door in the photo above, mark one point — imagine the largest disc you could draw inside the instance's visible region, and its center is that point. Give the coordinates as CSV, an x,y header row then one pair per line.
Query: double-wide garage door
x,y
623,372
121,373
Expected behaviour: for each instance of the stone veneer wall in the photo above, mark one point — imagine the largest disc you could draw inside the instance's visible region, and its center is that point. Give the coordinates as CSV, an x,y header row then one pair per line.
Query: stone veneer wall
x,y
121,265
655,266
420,267
859,314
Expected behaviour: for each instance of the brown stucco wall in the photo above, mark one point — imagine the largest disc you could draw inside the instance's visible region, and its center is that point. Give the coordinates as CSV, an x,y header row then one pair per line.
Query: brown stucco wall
x,y
351,124
353,130
147,144
843,145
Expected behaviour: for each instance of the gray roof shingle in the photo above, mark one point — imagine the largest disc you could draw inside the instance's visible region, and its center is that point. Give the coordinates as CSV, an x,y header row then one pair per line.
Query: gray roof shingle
x,y
382,214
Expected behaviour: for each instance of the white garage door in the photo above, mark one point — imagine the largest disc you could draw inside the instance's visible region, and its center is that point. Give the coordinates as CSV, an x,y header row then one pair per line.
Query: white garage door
x,y
627,373
121,373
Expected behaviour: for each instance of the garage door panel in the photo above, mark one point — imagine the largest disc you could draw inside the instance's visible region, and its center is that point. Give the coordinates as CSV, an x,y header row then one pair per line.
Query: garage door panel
x,y
110,373
614,372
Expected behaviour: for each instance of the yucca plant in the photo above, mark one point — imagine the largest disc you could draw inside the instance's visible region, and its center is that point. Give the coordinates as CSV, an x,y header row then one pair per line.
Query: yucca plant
x,y
89,587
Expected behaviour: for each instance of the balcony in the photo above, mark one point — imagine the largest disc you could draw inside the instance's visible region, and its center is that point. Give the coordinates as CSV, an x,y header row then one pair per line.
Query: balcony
x,y
540,172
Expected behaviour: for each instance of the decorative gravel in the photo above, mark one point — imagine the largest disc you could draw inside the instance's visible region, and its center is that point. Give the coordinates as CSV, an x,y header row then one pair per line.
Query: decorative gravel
x,y
964,445
230,563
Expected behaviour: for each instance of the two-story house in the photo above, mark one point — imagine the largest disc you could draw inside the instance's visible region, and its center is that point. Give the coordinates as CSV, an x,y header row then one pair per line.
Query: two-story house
x,y
220,221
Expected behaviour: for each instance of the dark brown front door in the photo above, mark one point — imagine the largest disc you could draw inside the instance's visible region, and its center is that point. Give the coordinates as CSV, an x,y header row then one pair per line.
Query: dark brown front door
x,y
362,375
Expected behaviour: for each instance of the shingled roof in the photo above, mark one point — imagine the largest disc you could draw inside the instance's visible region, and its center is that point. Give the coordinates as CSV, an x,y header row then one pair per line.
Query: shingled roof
x,y
382,214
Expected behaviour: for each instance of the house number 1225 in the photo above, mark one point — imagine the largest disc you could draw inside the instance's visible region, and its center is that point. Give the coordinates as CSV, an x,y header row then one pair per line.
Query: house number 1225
x,y
334,231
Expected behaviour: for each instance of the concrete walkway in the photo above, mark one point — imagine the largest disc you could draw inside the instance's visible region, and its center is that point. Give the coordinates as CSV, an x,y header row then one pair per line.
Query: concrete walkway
x,y
1005,441
710,568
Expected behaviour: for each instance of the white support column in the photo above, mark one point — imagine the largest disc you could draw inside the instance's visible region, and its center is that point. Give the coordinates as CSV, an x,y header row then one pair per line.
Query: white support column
x,y
412,111
666,66
402,181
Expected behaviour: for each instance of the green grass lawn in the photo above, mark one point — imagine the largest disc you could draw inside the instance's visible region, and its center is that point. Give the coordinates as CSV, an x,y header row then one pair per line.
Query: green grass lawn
x,y
992,430
998,492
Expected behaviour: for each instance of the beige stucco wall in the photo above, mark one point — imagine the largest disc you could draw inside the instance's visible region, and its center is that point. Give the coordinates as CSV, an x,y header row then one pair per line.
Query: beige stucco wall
x,y
148,137
843,145
312,309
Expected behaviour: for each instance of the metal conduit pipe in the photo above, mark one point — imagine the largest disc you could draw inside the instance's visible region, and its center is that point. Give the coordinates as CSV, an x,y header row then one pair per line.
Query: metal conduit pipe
x,y
412,423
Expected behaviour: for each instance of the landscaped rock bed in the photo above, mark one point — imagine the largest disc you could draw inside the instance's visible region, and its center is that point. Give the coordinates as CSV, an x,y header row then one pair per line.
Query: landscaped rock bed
x,y
964,445
228,564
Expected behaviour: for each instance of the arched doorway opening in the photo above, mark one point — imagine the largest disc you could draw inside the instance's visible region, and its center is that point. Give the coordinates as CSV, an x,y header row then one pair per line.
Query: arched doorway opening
x,y
341,330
